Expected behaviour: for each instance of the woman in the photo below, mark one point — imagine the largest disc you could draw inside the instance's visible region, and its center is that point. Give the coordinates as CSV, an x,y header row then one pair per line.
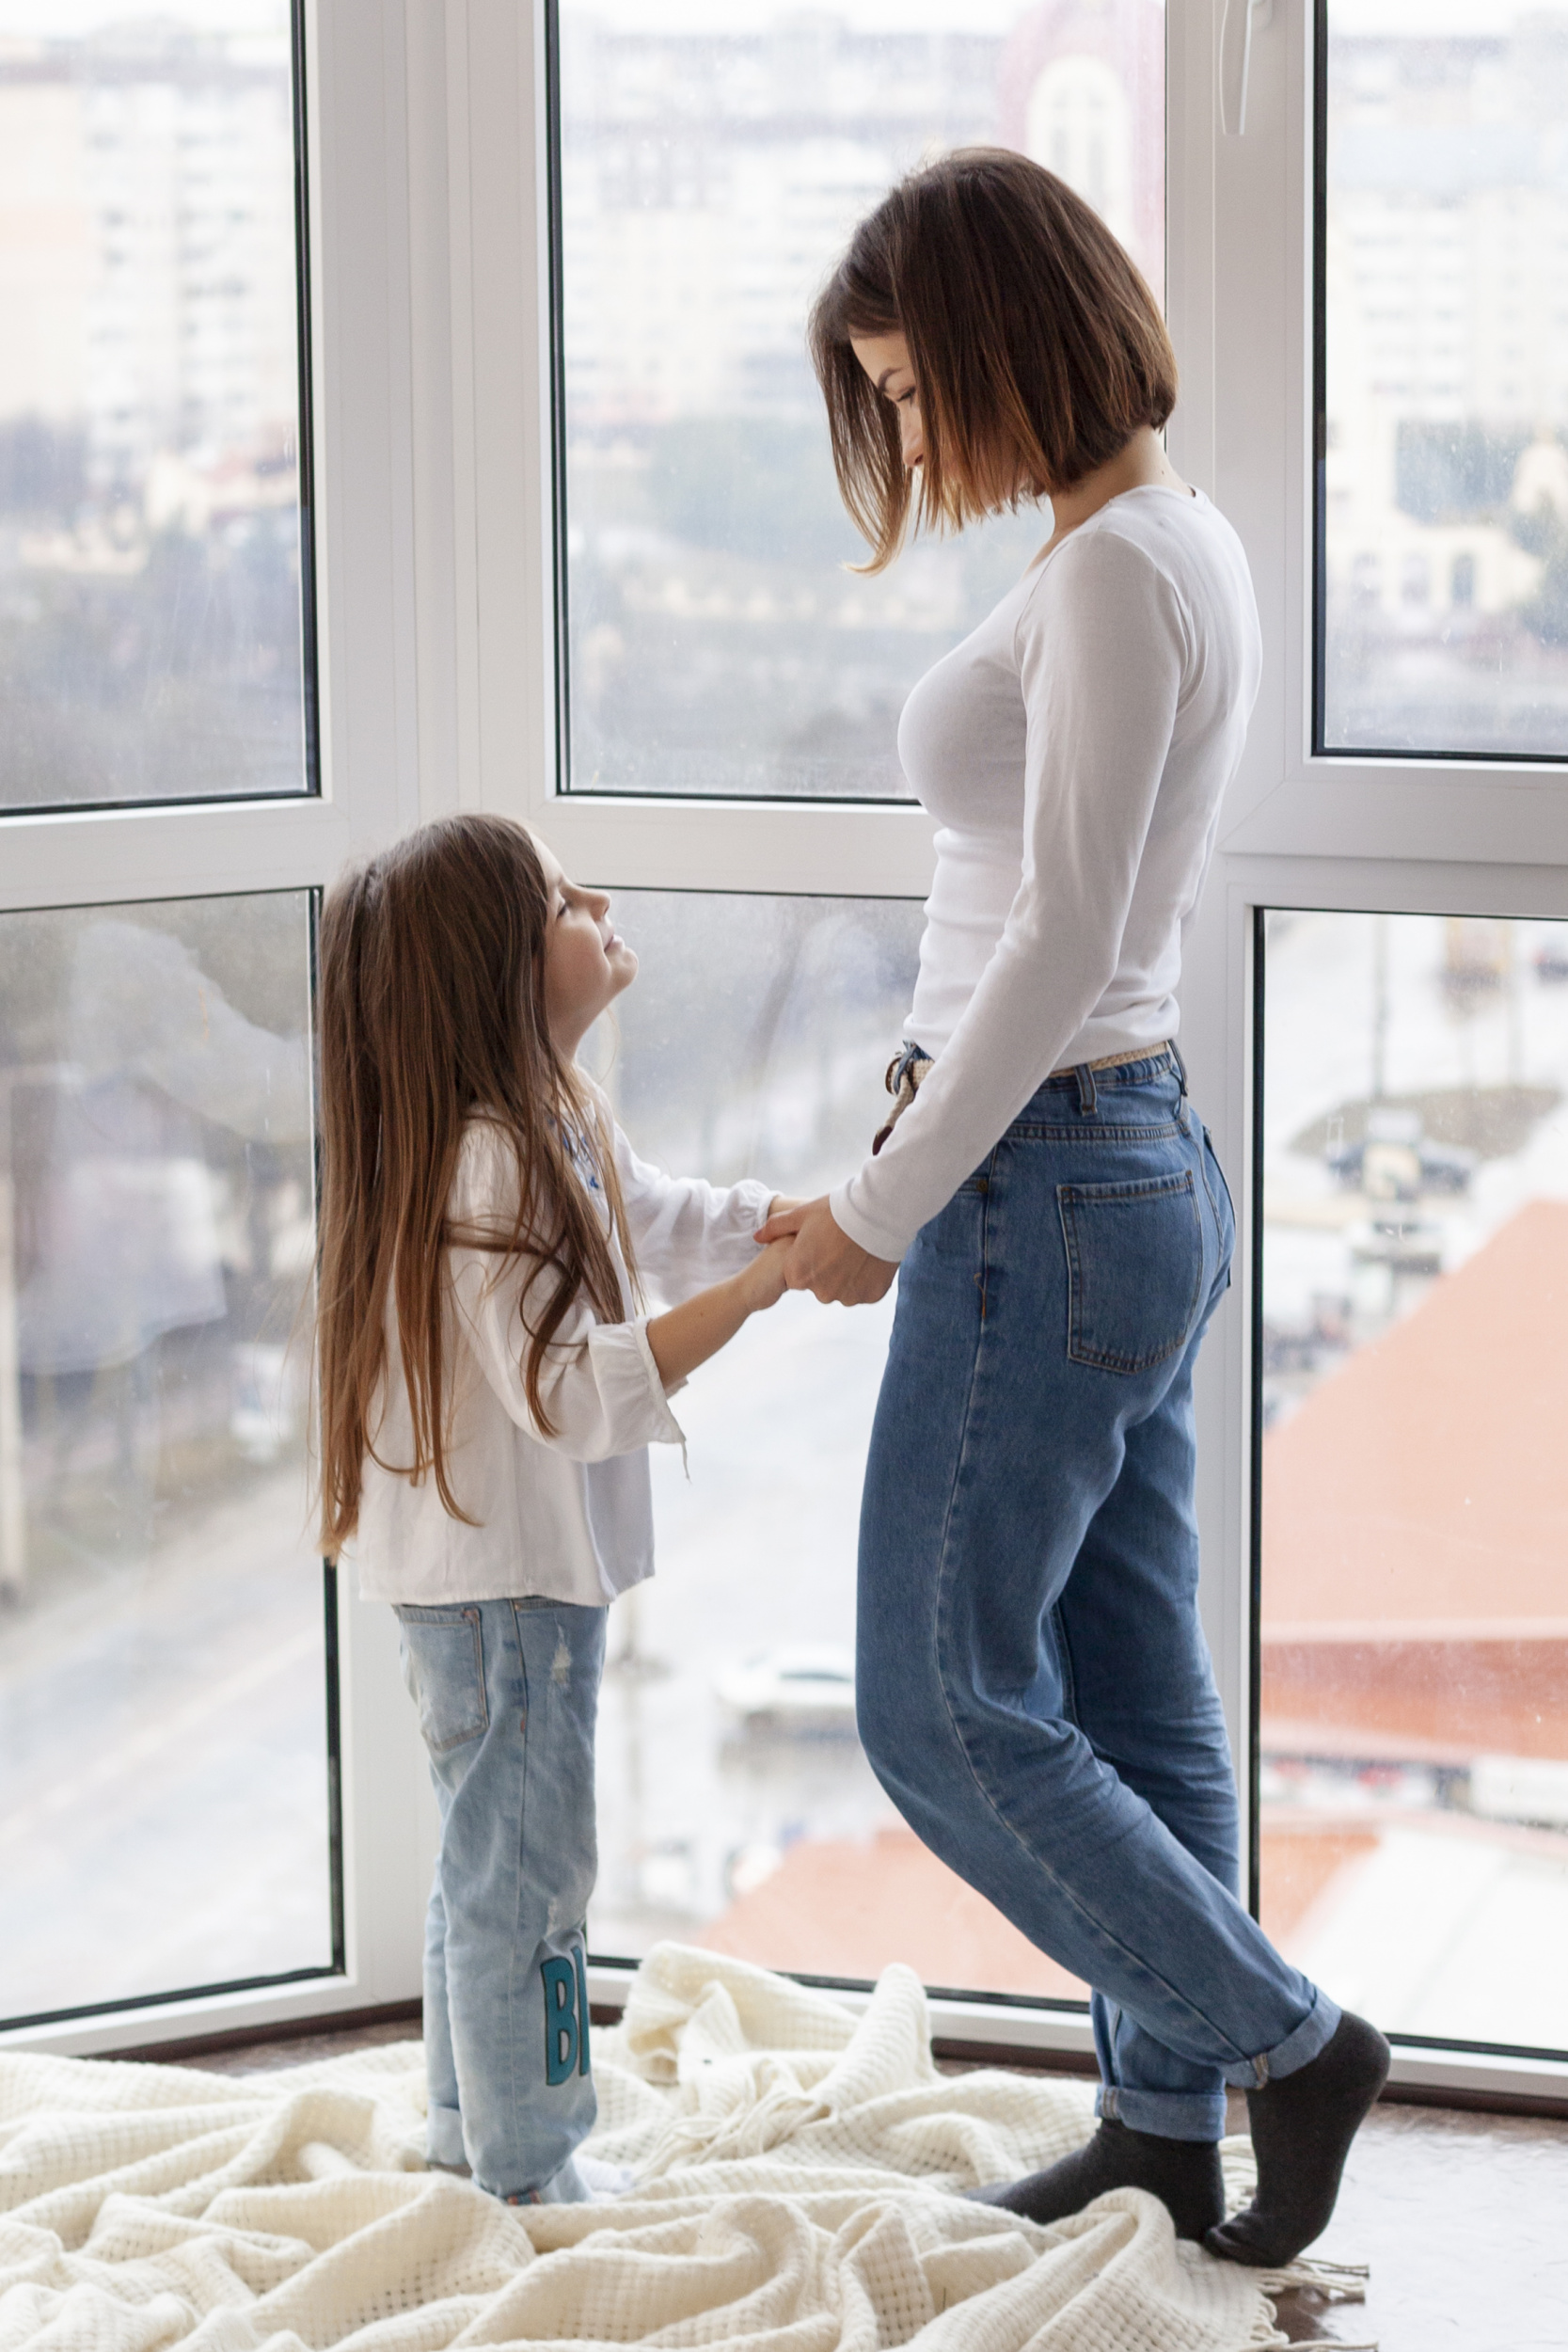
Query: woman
x,y
1035,1692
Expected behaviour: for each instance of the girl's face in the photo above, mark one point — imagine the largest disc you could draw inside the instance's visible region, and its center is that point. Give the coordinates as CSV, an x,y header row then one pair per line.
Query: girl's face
x,y
886,361
586,962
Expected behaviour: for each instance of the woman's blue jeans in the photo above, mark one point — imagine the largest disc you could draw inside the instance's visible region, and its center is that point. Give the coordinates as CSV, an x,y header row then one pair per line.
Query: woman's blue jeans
x,y
1035,1690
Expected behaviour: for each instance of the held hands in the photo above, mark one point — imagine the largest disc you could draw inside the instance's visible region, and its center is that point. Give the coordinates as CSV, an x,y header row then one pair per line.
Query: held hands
x,y
763,1283
821,1257
800,1248
686,1336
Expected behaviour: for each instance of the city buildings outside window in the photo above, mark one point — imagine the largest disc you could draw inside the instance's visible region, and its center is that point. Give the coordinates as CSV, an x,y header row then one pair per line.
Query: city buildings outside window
x,y
712,166
167,1637
154,568
728,694
711,170
1445,483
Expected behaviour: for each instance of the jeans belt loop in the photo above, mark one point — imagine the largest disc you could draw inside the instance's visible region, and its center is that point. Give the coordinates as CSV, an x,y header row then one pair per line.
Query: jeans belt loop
x,y
910,1064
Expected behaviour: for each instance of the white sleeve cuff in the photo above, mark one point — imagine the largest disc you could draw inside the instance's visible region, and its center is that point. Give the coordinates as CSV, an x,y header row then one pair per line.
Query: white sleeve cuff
x,y
880,1240
672,1433
746,1208
753,1199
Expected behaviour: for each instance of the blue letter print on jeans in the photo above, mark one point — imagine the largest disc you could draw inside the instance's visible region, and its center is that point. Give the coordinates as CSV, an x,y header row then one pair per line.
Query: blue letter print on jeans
x,y
582,2009
566,1984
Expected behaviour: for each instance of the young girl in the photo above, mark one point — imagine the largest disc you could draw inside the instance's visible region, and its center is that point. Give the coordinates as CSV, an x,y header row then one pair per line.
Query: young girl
x,y
489,1391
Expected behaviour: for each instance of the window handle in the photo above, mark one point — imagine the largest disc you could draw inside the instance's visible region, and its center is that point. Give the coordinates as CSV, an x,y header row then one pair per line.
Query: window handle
x,y
1236,59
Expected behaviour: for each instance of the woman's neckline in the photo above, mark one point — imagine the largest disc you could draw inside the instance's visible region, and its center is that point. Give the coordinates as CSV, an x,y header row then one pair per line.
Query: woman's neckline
x,y
1190,492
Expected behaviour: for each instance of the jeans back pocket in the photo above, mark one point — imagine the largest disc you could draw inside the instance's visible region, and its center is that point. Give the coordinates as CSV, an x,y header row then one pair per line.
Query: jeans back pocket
x,y
443,1664
1134,1259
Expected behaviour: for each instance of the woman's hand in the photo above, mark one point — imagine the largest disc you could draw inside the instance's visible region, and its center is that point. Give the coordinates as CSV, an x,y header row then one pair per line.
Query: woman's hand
x,y
823,1259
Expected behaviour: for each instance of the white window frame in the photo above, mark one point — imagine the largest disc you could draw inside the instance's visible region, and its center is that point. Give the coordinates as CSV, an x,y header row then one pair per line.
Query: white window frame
x,y
429,186
357,175
1300,829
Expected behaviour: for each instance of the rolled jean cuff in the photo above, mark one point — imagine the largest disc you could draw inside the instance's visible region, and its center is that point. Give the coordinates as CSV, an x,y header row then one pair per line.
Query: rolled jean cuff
x,y
443,2137
567,2187
1167,2114
1314,2033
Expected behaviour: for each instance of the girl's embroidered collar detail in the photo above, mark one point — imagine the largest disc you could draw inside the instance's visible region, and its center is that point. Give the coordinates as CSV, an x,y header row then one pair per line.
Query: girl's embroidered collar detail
x,y
580,1156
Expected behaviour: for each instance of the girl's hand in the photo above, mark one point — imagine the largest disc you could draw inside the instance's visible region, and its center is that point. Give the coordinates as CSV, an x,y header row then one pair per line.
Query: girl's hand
x,y
823,1259
689,1334
763,1283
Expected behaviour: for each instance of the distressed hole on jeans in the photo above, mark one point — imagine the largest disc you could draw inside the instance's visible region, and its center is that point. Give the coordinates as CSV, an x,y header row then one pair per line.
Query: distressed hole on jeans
x,y
560,1664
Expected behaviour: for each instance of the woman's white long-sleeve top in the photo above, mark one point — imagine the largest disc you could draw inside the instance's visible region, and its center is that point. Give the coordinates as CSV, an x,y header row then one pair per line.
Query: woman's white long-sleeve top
x,y
1075,750
568,1516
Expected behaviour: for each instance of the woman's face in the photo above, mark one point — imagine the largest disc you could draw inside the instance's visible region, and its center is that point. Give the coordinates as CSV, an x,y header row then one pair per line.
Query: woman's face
x,y
886,361
586,962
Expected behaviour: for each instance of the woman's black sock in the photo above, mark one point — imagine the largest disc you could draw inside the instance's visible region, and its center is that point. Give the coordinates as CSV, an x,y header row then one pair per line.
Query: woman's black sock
x,y
1301,2128
1184,2174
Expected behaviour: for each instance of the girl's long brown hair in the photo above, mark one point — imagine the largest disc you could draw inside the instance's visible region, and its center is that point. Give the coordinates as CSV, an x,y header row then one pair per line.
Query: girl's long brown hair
x,y
433,1014
1037,348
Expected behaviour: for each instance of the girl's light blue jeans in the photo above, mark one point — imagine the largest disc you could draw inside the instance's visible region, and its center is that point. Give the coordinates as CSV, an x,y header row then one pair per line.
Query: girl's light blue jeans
x,y
1034,1686
508,1694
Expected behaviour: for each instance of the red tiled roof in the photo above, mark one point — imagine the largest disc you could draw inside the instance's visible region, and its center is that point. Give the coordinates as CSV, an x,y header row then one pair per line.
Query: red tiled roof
x,y
1421,1490
845,1908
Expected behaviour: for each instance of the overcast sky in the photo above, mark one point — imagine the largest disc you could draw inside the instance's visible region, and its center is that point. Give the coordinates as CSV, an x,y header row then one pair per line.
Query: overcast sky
x,y
1433,18
1418,17
64,17
1427,16
736,16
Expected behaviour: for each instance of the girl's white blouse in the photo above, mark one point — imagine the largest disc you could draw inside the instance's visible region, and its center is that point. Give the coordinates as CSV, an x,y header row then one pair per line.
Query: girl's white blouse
x,y
569,1516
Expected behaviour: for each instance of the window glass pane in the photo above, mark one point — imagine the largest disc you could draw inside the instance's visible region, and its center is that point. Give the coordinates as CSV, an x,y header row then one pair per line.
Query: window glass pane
x,y
713,163
163,1777
1415,1490
737,1809
152,588
1445,283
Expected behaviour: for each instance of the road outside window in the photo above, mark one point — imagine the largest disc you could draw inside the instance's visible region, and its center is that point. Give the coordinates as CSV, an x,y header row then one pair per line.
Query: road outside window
x,y
163,1676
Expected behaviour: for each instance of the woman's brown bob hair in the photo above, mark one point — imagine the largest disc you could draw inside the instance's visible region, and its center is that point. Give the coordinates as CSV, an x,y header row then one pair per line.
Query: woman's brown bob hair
x,y
1037,347
432,1014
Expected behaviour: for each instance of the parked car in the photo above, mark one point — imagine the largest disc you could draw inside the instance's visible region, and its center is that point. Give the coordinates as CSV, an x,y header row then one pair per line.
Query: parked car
x,y
800,1689
1398,1161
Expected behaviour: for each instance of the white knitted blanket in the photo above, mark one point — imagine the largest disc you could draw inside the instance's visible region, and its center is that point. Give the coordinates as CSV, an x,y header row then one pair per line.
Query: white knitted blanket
x,y
795,2166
